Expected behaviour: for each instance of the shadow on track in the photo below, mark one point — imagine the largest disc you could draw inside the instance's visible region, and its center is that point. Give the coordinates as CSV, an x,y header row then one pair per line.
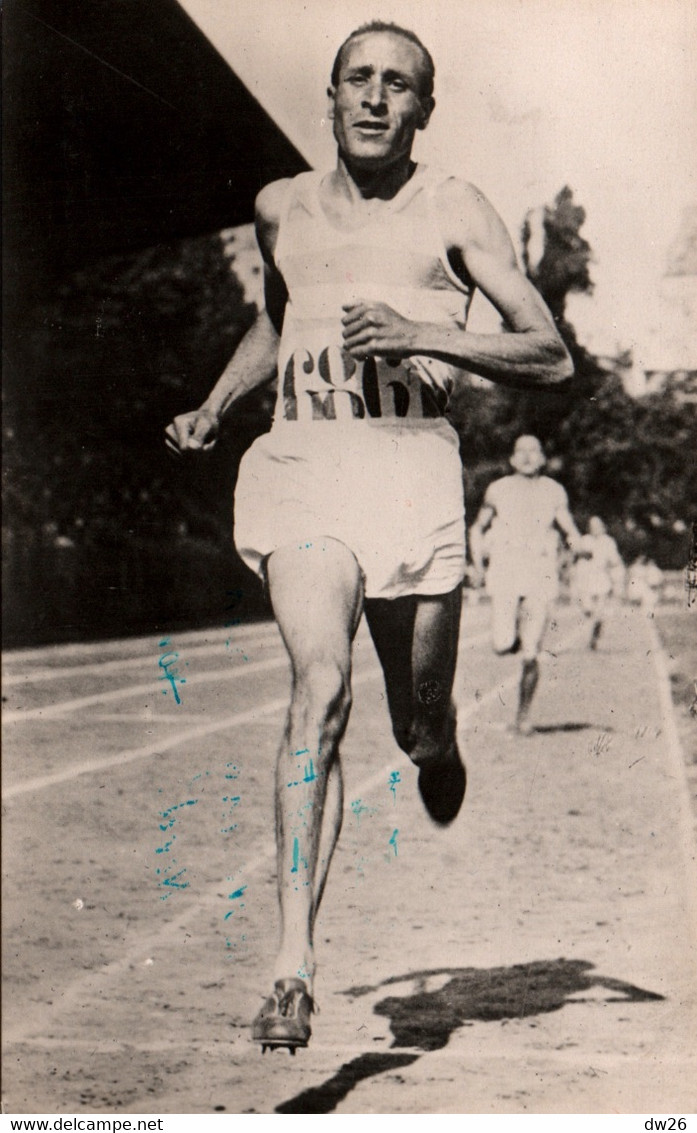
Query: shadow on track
x,y
551,729
426,1019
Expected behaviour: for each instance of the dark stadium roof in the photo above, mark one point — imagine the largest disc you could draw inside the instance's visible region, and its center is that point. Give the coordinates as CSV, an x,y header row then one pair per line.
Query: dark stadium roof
x,y
123,128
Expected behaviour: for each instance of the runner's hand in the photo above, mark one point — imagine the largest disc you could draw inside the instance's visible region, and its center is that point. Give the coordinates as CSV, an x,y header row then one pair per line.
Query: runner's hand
x,y
374,328
192,432
476,576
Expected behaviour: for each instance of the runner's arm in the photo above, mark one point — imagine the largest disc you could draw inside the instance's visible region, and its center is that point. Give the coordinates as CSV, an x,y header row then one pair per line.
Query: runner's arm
x,y
565,522
528,353
476,536
254,361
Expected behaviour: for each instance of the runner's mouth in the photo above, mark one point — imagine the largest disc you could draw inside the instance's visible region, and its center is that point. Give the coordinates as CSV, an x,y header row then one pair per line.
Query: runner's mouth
x,y
371,127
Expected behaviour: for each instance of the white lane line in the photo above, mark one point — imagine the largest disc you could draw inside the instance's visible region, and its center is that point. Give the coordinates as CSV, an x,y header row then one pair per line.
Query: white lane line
x,y
146,717
249,716
678,771
92,766
237,637
51,711
156,685
214,640
125,645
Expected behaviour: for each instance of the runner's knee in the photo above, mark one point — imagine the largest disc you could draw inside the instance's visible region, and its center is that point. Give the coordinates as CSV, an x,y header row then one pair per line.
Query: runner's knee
x,y
322,690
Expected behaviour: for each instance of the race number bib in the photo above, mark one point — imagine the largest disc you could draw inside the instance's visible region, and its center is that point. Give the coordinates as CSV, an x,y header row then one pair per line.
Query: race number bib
x,y
331,386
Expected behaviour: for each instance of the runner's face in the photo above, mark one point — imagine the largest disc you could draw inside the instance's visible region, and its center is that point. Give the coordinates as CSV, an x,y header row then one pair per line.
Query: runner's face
x,y
377,104
527,457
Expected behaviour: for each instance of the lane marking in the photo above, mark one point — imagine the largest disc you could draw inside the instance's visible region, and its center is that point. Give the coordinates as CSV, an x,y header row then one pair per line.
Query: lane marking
x,y
122,758
118,645
118,665
685,821
146,717
237,635
51,711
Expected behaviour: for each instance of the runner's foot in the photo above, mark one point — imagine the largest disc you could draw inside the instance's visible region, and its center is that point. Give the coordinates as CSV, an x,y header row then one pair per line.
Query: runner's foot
x,y
442,785
284,1020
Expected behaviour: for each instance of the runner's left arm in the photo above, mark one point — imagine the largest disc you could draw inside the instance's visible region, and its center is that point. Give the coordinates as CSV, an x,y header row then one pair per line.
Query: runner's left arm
x,y
565,522
476,536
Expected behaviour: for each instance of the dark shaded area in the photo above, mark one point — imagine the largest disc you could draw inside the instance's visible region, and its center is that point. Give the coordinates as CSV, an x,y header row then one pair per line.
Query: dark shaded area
x,y
325,1098
553,729
128,145
425,1019
124,128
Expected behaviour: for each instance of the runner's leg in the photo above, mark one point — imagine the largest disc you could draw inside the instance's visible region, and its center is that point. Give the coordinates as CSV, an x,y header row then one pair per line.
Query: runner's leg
x,y
534,615
505,612
416,640
316,594
598,618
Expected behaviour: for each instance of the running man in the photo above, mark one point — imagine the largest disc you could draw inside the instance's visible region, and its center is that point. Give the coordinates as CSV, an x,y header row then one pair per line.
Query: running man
x,y
353,501
599,573
517,531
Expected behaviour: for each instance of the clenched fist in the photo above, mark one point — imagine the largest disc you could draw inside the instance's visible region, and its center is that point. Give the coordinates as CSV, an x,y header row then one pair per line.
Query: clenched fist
x,y
374,328
192,432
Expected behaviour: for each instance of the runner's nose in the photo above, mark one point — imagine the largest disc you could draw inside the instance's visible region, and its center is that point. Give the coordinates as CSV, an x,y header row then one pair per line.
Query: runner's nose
x,y
374,98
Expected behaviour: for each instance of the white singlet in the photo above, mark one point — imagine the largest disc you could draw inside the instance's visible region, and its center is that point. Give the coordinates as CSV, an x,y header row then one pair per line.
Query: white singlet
x,y
361,451
522,543
594,572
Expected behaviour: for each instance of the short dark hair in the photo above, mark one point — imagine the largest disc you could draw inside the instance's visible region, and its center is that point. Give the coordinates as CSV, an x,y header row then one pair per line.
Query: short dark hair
x,y
395,29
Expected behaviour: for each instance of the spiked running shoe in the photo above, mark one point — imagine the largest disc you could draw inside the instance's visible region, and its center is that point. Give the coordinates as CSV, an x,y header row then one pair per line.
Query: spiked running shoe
x,y
284,1020
442,786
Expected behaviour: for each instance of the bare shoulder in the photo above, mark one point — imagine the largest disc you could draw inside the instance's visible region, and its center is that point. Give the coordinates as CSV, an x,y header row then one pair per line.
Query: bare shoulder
x,y
555,489
269,201
267,213
495,489
467,217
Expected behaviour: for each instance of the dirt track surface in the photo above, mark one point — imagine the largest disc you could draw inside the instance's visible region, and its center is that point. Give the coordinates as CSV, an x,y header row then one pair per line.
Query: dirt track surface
x,y
538,956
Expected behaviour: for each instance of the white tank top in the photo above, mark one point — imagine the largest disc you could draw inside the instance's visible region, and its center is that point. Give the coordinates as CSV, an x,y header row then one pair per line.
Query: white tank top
x,y
523,526
399,259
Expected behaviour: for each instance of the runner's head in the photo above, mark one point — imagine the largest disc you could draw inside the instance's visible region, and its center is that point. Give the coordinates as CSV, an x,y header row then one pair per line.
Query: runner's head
x,y
381,93
596,525
527,456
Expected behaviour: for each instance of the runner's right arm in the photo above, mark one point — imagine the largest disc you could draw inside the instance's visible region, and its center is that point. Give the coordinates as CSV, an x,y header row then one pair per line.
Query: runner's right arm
x,y
476,537
254,361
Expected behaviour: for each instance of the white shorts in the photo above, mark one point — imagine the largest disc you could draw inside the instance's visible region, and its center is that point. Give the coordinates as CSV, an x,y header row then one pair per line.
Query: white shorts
x,y
392,493
524,577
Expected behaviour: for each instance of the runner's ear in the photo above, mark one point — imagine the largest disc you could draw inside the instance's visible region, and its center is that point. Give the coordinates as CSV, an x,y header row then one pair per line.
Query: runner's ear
x,y
428,105
331,95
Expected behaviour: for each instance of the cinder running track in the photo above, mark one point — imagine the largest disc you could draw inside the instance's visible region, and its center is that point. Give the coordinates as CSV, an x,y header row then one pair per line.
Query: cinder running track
x,y
538,956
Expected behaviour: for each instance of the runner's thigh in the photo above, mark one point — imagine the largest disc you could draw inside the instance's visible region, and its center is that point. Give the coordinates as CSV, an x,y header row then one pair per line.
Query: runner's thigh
x,y
316,592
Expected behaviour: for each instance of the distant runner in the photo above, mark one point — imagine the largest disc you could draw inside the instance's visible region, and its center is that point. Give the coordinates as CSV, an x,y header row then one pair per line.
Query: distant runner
x,y
517,531
353,501
599,573
645,584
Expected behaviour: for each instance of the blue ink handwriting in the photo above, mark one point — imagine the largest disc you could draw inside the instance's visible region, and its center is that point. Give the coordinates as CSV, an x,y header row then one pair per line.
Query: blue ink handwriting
x,y
394,779
170,672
